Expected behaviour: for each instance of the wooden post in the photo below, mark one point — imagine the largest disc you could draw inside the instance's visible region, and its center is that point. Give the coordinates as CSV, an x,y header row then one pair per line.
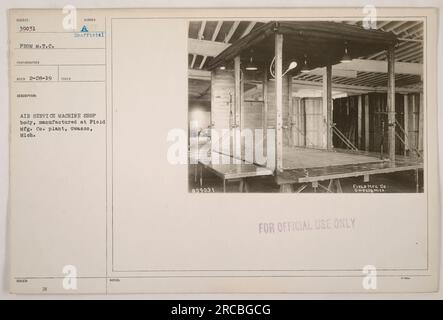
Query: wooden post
x,y
391,102
327,105
303,108
265,113
291,113
414,131
367,122
421,131
359,121
237,106
406,122
279,100
301,123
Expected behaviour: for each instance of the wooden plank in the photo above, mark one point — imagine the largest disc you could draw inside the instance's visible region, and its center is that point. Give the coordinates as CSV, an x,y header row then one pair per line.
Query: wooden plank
x,y
359,122
327,106
279,99
367,122
391,102
406,122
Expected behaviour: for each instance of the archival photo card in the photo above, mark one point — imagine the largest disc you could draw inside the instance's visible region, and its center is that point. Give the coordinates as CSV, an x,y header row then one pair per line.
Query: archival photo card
x,y
223,151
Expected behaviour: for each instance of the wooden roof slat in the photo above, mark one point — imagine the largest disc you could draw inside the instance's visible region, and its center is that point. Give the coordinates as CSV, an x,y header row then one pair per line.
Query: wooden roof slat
x,y
381,24
202,63
402,46
395,24
408,26
412,55
415,30
217,30
231,31
406,52
202,30
248,29
361,79
194,57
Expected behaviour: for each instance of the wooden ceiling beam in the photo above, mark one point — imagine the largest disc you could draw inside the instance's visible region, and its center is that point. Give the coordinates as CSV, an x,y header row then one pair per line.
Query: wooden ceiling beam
x,y
231,31
248,29
202,30
199,74
217,30
382,24
402,53
202,63
409,26
415,30
403,46
335,72
205,47
352,88
367,78
194,57
392,25
410,56
363,65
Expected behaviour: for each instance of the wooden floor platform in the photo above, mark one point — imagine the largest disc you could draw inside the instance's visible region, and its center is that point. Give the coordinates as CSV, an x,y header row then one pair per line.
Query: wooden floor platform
x,y
308,166
302,158
230,169
345,171
342,165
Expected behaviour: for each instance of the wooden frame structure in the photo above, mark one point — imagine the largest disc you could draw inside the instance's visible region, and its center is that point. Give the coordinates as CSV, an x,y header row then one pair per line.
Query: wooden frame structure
x,y
274,45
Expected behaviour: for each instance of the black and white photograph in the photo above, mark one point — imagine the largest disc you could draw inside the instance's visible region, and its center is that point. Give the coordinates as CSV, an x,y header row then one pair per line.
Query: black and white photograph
x,y
306,106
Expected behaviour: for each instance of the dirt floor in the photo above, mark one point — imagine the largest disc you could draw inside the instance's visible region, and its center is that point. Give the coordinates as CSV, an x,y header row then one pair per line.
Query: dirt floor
x,y
399,182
